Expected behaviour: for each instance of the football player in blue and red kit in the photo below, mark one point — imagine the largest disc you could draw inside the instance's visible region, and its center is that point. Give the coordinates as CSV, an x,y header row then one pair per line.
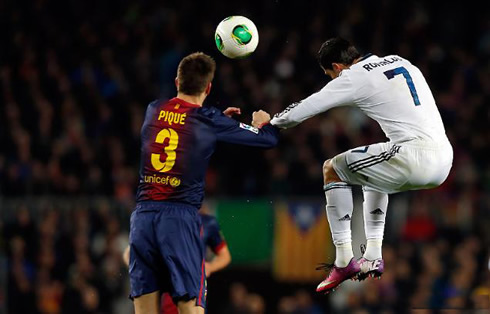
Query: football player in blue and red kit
x,y
217,260
178,137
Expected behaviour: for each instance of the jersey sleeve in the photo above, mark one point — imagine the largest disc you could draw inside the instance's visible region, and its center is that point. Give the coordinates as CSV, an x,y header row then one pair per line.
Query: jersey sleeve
x,y
216,240
231,131
338,92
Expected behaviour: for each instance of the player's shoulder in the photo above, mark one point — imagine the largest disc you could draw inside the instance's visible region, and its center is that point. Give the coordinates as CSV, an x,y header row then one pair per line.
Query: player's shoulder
x,y
213,116
153,105
151,109
159,102
209,111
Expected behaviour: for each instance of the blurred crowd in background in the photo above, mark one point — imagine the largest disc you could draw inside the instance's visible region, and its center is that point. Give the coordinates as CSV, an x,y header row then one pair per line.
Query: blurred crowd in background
x,y
67,259
75,80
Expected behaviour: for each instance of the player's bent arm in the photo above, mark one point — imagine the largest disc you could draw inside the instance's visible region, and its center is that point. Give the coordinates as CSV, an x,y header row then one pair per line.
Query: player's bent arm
x,y
338,92
220,261
231,131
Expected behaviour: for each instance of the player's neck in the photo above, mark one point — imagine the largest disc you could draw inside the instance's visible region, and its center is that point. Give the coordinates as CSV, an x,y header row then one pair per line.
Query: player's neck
x,y
357,60
196,100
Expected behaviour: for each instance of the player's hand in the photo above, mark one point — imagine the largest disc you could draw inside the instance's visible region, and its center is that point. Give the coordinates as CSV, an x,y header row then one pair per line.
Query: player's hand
x,y
260,117
231,111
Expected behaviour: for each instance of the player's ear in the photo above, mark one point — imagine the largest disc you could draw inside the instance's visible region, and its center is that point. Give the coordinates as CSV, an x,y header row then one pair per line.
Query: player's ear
x,y
177,83
208,88
336,67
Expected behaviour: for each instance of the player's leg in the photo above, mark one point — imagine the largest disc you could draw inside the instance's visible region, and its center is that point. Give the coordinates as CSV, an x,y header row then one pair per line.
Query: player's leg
x,y
144,265
385,168
339,213
376,166
375,207
183,253
189,307
147,303
381,169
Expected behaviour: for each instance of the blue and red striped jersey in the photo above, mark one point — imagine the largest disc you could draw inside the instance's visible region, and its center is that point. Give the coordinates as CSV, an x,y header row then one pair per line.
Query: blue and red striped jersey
x,y
177,141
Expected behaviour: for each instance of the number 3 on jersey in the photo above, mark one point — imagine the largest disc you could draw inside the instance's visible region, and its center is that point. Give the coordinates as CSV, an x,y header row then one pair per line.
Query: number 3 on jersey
x,y
173,141
401,70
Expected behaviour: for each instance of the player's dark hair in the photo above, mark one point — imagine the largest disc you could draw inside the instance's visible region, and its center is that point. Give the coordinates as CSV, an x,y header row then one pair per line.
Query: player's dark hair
x,y
194,73
337,50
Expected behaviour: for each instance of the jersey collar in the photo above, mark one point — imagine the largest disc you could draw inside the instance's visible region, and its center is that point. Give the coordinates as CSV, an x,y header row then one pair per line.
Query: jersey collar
x,y
365,57
184,103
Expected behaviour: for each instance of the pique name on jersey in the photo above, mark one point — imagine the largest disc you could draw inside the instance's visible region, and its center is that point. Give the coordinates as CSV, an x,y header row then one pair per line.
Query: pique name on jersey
x,y
386,61
172,117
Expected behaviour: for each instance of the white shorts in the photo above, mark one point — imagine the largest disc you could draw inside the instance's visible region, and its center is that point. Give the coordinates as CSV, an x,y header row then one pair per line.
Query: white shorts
x,y
395,167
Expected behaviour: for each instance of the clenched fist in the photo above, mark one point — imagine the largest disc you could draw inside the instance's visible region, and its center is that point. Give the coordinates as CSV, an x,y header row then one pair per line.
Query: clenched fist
x,y
260,117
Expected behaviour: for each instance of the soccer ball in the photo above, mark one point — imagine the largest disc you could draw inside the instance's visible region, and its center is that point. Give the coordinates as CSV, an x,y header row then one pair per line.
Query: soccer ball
x,y
236,37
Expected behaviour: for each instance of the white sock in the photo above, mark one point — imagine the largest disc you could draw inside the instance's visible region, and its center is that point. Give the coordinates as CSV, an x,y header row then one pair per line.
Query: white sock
x,y
343,254
339,213
374,207
373,250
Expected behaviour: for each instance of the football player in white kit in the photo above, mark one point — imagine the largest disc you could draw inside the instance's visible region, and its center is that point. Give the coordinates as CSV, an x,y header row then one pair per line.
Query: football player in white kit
x,y
418,154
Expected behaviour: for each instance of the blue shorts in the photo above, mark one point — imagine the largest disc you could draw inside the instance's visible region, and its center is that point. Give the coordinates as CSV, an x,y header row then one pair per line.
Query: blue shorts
x,y
167,251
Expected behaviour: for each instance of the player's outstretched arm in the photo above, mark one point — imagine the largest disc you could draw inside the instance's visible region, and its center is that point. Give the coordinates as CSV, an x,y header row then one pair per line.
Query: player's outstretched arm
x,y
231,131
338,92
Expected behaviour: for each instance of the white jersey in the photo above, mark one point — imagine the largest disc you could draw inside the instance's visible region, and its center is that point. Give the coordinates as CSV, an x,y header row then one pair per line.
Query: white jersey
x,y
388,89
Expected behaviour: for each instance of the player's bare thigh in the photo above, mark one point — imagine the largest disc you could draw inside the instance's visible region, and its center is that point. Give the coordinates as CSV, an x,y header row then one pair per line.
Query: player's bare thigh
x,y
329,174
147,303
189,307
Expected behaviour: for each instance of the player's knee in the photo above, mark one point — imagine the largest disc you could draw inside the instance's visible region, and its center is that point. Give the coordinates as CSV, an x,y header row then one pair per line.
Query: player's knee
x,y
329,174
327,167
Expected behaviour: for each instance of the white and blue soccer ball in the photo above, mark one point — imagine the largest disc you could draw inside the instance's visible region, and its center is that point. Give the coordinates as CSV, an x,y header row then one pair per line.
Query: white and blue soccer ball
x,y
236,37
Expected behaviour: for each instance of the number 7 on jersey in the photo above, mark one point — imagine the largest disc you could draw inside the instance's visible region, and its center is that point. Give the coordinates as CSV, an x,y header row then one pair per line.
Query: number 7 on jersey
x,y
401,70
